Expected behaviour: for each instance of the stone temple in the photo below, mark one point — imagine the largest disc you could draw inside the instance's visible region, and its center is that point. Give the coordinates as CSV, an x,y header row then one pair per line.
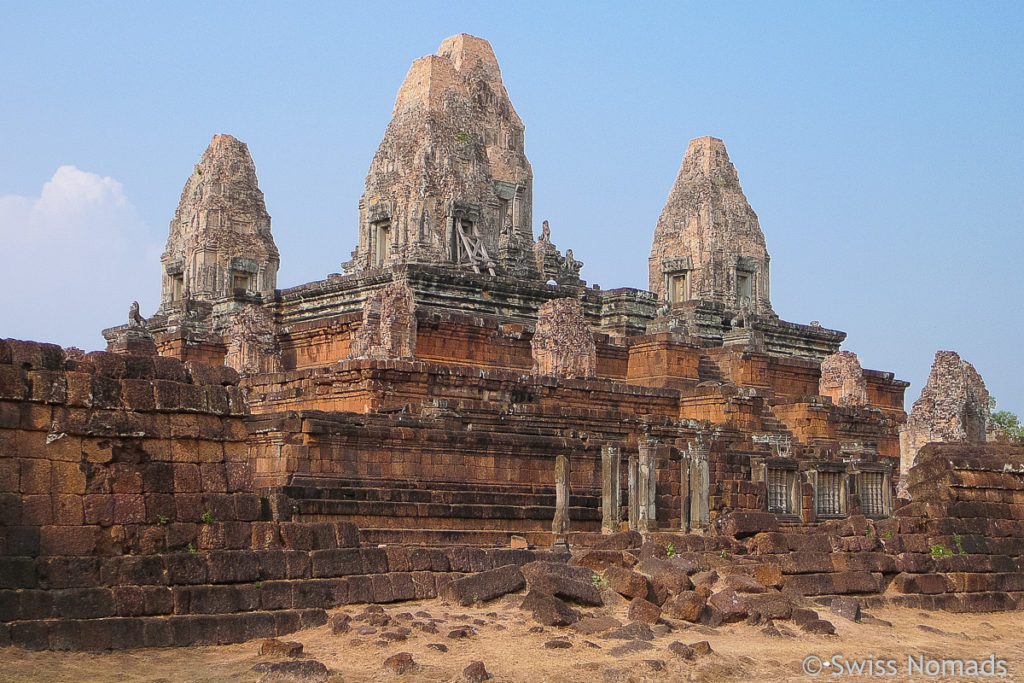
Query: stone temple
x,y
375,435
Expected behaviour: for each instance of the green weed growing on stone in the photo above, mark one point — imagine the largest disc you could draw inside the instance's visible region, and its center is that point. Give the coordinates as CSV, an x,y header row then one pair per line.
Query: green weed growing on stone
x,y
207,518
670,550
939,550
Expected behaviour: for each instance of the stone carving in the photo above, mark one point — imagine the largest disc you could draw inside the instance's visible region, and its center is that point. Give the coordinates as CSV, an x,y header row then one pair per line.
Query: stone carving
x,y
563,343
843,379
135,318
252,346
708,243
220,241
389,324
565,270
451,175
953,408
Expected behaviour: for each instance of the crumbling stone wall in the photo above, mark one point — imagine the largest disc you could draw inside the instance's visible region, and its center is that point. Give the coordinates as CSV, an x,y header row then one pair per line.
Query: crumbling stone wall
x,y
953,408
563,343
389,324
220,236
708,235
843,379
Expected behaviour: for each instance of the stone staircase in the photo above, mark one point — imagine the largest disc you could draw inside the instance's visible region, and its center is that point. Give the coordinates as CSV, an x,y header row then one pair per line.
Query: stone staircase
x,y
709,371
436,513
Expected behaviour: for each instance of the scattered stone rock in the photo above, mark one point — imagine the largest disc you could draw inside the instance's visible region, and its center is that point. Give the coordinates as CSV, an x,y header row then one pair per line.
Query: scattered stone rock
x,y
484,586
557,644
643,610
819,627
701,648
365,630
399,663
771,631
801,615
440,647
655,664
378,620
847,608
590,643
612,599
574,584
301,671
475,672
272,647
549,610
769,606
729,605
340,623
422,614
536,629
681,650
686,606
626,582
741,583
872,620
708,578
458,633
590,625
599,560
404,616
624,540
668,575
629,648
636,630
394,636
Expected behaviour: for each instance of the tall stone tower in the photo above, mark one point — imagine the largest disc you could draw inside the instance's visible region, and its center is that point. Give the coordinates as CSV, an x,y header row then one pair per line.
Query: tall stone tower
x,y
708,243
220,242
450,183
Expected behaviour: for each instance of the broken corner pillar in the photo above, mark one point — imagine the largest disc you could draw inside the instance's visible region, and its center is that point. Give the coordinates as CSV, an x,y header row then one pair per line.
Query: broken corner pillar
x,y
695,481
646,486
611,458
560,524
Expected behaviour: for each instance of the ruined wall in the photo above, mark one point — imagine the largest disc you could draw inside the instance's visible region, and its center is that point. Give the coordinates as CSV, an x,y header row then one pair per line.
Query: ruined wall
x,y
450,182
563,343
389,324
708,243
220,239
842,379
953,408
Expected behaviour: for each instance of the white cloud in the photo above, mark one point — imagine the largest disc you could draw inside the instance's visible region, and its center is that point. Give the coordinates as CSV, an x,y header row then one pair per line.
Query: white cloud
x,y
72,260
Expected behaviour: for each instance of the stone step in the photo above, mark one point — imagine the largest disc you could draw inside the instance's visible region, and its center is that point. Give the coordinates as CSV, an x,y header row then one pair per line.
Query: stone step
x,y
375,494
363,508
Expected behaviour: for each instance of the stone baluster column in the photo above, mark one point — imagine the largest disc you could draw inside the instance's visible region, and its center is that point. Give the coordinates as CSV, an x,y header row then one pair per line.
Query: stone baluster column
x,y
631,492
647,481
700,483
560,525
610,488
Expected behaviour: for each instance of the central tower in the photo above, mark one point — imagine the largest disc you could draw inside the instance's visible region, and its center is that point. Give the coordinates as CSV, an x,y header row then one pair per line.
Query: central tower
x,y
450,183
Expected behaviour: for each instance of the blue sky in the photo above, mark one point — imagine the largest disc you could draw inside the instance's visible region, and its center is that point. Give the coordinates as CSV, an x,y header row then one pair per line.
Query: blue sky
x,y
880,144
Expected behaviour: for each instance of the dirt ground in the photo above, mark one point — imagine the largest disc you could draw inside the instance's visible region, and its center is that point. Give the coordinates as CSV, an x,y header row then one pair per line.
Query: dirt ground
x,y
503,640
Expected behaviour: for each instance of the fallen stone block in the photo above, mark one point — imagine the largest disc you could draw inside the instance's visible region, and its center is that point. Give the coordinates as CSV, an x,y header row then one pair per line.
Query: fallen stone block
x,y
485,586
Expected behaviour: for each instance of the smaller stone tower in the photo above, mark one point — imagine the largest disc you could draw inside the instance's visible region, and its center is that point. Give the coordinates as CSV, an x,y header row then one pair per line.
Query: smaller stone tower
x,y
220,243
708,244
